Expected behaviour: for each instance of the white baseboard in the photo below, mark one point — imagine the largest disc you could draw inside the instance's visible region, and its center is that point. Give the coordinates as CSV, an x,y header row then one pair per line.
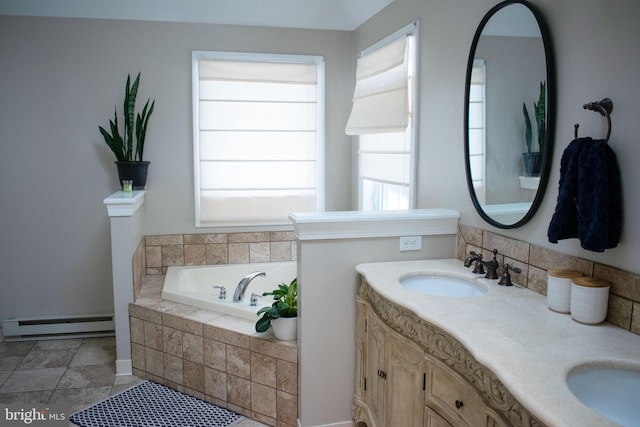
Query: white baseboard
x,y
124,367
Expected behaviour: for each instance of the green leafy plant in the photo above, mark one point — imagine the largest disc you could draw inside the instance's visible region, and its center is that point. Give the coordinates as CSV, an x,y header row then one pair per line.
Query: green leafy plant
x,y
122,145
540,114
285,304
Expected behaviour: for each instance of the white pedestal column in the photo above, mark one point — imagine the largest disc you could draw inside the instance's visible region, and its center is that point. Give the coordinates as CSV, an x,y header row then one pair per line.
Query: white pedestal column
x,y
125,213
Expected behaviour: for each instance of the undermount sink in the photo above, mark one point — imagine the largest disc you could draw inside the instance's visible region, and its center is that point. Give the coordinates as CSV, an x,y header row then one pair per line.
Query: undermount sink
x,y
611,391
445,286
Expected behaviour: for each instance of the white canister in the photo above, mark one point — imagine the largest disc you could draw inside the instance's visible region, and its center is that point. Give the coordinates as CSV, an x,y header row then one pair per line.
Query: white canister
x,y
559,289
589,299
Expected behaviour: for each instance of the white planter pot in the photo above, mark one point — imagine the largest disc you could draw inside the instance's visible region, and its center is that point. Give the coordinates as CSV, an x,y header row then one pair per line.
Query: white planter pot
x,y
285,328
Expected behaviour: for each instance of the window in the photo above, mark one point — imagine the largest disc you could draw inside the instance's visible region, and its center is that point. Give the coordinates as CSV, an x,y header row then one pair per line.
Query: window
x,y
258,137
382,117
477,134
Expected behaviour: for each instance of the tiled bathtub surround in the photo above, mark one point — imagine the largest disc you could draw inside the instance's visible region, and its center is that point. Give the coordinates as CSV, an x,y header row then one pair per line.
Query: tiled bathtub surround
x,y
214,357
534,261
217,248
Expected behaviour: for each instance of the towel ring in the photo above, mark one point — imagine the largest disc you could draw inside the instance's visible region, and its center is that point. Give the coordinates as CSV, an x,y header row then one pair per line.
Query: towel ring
x,y
604,107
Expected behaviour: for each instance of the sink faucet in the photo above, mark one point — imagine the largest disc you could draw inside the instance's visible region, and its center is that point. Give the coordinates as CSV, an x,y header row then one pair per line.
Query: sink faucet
x,y
473,256
238,294
492,266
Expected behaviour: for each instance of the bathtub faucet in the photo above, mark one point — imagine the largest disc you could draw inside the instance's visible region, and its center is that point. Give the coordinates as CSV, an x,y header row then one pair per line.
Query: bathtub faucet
x,y
238,295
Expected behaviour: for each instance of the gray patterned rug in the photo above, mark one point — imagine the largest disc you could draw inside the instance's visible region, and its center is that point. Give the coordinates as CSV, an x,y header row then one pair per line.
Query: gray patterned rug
x,y
151,404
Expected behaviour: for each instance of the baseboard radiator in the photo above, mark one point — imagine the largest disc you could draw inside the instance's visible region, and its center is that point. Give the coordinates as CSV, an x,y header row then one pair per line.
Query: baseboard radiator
x,y
57,327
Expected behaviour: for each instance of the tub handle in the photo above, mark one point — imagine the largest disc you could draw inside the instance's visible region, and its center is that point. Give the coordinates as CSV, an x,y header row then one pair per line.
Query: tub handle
x,y
254,300
223,292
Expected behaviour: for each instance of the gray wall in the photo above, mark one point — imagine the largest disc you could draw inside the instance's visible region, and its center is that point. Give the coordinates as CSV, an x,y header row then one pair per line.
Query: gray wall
x,y
594,44
60,80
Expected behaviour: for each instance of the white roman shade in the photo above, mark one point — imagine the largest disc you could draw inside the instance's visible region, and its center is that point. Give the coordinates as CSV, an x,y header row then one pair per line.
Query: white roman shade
x,y
257,140
381,98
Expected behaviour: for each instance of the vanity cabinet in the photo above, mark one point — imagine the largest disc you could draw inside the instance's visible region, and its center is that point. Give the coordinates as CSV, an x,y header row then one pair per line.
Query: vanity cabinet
x,y
393,376
411,374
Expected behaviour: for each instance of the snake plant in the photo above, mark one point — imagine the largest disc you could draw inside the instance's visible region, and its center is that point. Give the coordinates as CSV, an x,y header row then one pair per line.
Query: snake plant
x,y
540,113
122,145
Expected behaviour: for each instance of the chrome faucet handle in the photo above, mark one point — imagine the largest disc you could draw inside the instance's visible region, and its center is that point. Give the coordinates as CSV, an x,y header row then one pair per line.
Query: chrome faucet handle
x,y
223,292
505,279
253,302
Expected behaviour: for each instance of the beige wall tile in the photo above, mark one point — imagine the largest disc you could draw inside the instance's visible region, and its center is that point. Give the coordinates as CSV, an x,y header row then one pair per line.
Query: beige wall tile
x,y
263,400
515,249
623,283
238,362
259,252
194,239
285,350
194,376
138,356
165,239
173,369
248,237
215,383
537,280
471,235
635,318
215,355
263,369
217,238
238,391
172,255
136,327
217,253
172,341
238,253
619,311
192,347
195,254
280,251
145,314
287,376
153,256
226,336
281,236
547,259
287,405
154,362
153,335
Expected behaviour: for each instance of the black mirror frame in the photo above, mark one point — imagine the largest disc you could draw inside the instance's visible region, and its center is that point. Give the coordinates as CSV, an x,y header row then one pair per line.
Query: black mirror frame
x,y
551,114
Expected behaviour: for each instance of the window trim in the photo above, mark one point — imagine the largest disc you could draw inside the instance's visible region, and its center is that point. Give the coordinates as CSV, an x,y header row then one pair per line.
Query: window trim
x,y
320,131
411,29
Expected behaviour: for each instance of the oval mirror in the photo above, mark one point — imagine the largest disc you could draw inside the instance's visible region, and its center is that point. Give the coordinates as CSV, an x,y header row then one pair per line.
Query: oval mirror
x,y
509,114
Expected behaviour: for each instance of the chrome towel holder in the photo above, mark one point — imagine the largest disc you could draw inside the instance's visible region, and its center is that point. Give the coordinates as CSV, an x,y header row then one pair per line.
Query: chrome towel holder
x,y
604,107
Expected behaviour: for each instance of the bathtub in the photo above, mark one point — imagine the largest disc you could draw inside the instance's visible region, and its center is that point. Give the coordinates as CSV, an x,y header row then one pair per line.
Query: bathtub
x,y
194,285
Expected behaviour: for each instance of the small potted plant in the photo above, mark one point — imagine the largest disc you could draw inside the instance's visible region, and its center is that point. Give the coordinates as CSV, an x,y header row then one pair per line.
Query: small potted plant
x,y
129,158
283,313
533,160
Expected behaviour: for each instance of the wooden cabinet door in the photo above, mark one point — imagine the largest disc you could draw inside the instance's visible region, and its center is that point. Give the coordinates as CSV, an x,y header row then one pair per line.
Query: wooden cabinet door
x,y
404,389
374,366
433,419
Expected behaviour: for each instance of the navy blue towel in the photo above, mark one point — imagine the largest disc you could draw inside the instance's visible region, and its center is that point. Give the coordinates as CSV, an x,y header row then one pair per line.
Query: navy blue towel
x,y
589,196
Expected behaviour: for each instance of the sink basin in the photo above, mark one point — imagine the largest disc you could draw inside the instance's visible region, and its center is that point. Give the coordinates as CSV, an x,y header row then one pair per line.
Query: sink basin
x,y
445,286
611,391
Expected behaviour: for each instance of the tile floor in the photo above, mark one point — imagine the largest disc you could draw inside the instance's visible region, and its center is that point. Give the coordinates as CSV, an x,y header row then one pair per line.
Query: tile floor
x,y
76,373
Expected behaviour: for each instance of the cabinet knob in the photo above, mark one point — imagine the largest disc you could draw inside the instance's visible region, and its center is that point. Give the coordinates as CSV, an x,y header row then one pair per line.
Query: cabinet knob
x,y
382,374
459,404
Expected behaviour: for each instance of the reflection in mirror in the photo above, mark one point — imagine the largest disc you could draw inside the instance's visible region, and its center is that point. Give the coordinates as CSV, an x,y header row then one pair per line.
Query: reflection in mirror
x,y
509,109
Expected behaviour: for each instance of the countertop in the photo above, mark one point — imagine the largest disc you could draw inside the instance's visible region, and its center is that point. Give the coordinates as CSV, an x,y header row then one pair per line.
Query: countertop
x,y
511,331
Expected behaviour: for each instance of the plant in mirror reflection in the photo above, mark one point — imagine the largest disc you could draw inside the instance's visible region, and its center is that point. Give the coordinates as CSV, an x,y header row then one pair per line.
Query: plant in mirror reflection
x,y
540,113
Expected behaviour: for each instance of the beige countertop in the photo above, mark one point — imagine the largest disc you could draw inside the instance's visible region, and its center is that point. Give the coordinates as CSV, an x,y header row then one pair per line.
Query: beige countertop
x,y
511,331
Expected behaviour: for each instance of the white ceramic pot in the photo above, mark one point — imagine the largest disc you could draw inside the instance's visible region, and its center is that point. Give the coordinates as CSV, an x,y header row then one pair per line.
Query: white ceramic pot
x,y
285,328
589,300
559,289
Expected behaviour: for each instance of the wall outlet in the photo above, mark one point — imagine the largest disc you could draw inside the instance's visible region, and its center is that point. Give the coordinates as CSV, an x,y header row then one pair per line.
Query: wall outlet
x,y
410,243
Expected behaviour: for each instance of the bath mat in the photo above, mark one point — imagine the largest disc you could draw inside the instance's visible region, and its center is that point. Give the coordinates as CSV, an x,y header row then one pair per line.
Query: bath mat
x,y
150,404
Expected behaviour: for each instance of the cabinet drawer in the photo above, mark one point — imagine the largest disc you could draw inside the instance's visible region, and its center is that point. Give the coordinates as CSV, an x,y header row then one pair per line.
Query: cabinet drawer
x,y
454,397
